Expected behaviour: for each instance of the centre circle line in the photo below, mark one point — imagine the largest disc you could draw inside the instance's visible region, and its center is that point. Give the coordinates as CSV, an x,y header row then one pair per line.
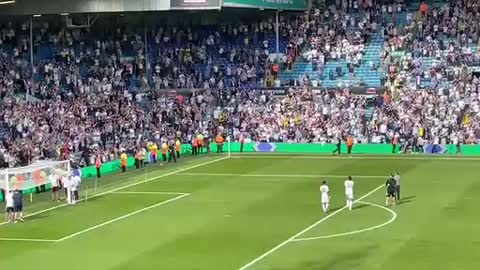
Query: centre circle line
x,y
392,219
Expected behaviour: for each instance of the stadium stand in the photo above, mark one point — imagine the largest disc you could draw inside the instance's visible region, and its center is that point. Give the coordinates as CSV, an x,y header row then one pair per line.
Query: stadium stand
x,y
112,86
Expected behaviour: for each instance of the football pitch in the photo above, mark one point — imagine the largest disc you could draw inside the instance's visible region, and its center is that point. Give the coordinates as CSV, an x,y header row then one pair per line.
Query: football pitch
x,y
258,211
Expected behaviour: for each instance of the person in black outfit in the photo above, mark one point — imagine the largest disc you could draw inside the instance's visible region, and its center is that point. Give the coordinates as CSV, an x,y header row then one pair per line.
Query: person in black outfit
x,y
171,151
339,145
18,205
391,185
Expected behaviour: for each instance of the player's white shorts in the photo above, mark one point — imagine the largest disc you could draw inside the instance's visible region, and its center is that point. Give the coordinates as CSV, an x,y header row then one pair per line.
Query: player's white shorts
x,y
325,198
349,195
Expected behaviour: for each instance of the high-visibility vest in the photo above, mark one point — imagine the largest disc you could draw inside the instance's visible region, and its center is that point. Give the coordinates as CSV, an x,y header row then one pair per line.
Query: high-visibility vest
x,y
200,139
194,142
124,159
178,144
137,155
155,149
219,139
98,163
164,148
349,141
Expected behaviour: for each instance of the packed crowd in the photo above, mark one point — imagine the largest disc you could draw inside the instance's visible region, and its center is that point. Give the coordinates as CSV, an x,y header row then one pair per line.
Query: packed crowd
x,y
340,31
448,105
97,96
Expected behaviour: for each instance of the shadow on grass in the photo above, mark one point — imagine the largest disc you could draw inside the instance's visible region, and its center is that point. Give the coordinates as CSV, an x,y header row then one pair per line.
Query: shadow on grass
x,y
406,200
360,206
37,217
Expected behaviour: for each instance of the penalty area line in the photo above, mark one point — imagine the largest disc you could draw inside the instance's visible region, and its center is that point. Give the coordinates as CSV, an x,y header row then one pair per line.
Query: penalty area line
x,y
121,218
128,185
259,258
27,240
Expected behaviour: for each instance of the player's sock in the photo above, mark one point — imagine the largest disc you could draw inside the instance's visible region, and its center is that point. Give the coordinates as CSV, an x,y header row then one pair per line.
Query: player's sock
x,y
350,204
386,202
326,207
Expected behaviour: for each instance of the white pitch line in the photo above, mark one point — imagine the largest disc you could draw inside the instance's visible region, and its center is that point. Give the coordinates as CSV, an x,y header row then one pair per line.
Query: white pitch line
x,y
392,219
254,261
282,175
27,240
149,192
262,156
127,186
120,218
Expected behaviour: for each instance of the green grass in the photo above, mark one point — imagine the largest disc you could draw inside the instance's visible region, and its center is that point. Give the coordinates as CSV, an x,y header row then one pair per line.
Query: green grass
x,y
229,218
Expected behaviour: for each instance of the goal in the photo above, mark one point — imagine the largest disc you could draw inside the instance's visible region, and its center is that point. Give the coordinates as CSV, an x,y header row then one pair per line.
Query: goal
x,y
37,176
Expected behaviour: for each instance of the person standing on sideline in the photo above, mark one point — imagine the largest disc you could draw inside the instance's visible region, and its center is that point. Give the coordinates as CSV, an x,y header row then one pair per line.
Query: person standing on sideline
x,y
155,152
219,140
137,158
178,147
164,151
394,143
54,182
66,187
194,145
200,143
206,142
171,155
349,144
18,205
123,158
9,210
98,165
396,177
420,143
143,156
338,142
75,185
242,142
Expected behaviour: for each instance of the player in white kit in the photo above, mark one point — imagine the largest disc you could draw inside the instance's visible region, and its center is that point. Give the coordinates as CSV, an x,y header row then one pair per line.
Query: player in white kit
x,y
9,216
349,192
325,193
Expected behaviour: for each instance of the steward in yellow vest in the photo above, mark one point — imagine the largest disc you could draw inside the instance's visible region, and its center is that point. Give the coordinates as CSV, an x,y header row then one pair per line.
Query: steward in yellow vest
x,y
123,159
178,147
164,151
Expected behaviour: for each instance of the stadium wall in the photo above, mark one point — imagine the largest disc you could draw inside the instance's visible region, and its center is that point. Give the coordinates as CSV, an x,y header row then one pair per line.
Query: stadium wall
x,y
317,148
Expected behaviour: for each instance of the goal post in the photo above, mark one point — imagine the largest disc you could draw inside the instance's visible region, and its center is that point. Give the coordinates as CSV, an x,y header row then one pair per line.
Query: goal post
x,y
229,147
35,176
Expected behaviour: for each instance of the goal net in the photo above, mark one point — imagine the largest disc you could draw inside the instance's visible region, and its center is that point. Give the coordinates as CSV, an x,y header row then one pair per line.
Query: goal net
x,y
38,175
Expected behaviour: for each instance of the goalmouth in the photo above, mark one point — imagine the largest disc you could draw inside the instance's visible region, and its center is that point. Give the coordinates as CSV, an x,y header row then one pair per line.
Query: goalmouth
x,y
33,176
